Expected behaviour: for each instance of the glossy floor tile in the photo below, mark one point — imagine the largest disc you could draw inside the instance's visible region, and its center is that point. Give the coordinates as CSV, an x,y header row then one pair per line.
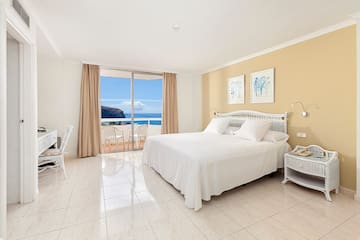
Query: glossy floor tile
x,y
116,197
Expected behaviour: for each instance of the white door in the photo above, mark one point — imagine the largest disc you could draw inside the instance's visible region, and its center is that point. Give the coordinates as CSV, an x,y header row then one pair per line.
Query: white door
x,y
14,147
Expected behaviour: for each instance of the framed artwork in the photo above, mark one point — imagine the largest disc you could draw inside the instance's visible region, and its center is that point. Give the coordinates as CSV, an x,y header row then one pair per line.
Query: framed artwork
x,y
262,86
236,90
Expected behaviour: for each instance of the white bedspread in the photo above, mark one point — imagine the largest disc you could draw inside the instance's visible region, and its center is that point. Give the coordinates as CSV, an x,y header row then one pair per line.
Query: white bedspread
x,y
202,165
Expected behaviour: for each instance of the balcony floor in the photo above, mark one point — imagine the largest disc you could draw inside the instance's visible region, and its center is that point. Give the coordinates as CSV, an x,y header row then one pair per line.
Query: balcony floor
x,y
114,148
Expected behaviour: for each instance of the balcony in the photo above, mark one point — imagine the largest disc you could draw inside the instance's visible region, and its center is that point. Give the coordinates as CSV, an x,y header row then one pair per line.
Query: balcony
x,y
116,133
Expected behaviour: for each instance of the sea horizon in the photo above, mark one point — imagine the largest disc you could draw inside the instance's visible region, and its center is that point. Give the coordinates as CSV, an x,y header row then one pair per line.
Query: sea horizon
x,y
144,115
142,122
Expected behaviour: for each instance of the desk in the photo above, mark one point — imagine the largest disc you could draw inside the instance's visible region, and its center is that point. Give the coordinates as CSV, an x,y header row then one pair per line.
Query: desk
x,y
46,140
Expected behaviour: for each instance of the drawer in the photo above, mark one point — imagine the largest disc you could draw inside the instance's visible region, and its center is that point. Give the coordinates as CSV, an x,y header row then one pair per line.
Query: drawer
x,y
304,166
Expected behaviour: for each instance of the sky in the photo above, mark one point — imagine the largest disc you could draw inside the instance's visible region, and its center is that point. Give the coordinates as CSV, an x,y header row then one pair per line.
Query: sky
x,y
115,92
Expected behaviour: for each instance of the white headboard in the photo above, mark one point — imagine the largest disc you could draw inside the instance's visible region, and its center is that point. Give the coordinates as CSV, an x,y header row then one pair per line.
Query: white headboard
x,y
279,121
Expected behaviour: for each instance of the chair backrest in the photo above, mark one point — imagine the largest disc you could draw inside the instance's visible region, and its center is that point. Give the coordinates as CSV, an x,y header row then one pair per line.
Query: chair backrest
x,y
119,131
141,130
66,138
107,132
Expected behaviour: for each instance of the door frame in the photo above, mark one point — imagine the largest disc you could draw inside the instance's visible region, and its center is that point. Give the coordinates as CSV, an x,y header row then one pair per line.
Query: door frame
x,y
3,119
356,17
28,99
11,23
132,79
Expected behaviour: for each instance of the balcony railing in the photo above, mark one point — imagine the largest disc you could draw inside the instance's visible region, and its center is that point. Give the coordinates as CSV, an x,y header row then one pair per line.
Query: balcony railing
x,y
124,121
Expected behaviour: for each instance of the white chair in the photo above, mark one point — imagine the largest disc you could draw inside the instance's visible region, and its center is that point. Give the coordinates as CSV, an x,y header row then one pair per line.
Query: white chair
x,y
119,136
108,135
140,134
53,158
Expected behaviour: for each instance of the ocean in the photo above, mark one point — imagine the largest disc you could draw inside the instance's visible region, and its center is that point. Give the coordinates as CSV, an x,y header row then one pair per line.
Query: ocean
x,y
145,115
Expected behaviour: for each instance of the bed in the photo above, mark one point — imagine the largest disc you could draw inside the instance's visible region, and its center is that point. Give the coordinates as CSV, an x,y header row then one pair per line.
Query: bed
x,y
201,164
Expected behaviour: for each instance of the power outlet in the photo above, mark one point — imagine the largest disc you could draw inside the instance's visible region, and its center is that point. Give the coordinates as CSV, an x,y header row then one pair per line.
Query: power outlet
x,y
301,134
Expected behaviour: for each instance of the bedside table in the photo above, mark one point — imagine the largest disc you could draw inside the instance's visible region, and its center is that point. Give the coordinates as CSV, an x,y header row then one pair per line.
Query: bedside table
x,y
320,171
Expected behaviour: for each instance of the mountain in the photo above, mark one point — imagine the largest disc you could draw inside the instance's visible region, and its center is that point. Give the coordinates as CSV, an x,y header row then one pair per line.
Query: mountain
x,y
110,112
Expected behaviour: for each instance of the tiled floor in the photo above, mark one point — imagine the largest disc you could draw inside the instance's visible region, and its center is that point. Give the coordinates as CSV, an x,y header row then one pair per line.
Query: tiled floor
x,y
116,197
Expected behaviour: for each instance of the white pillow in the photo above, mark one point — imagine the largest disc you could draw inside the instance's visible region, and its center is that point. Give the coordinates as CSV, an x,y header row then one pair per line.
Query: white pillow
x,y
217,125
275,136
253,130
231,130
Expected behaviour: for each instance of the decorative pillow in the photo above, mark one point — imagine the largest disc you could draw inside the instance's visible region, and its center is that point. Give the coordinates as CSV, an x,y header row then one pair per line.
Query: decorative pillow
x,y
217,125
231,130
275,136
254,130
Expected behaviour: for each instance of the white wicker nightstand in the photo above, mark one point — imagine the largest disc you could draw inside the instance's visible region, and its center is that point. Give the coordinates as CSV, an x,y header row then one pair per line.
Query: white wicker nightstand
x,y
320,171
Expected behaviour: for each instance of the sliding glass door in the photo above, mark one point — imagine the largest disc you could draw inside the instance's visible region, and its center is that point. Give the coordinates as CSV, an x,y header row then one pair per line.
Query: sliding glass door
x,y
115,96
131,109
147,107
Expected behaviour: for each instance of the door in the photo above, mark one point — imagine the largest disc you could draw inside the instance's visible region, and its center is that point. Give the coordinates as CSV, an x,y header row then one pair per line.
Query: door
x,y
115,94
147,107
131,109
14,136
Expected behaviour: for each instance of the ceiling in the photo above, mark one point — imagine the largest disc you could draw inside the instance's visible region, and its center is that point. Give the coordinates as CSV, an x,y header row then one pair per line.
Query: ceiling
x,y
138,34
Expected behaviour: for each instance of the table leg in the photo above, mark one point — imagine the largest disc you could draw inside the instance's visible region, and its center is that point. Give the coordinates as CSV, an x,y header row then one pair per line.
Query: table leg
x,y
327,195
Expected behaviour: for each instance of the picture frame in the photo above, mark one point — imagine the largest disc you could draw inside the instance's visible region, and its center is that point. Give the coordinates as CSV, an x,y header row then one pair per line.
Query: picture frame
x,y
236,90
262,86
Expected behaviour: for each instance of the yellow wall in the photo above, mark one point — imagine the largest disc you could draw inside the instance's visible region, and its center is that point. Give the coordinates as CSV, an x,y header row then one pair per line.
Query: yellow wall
x,y
321,73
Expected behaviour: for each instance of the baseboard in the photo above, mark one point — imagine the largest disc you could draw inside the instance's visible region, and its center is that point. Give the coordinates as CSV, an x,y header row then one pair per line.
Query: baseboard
x,y
70,156
347,192
357,197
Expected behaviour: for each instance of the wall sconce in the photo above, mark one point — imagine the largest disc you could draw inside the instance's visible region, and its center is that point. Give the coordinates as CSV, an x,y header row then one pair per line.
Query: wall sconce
x,y
303,113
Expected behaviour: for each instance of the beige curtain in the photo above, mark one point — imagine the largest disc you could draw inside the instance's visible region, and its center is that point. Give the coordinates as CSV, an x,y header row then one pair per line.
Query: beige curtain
x,y
89,142
170,108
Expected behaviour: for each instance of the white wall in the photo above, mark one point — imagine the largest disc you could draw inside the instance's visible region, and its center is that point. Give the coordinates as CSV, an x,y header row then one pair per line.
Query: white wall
x,y
189,102
13,125
59,84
